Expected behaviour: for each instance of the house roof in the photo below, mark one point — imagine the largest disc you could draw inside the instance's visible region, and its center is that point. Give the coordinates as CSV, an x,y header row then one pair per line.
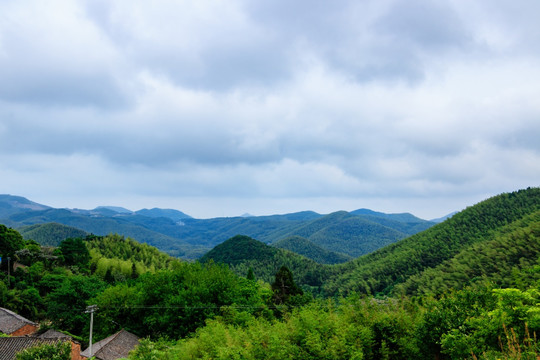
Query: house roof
x,y
10,322
114,347
54,334
10,346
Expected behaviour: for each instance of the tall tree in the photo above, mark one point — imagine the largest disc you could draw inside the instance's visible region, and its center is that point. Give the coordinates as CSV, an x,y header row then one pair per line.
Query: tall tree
x,y
75,253
10,241
284,286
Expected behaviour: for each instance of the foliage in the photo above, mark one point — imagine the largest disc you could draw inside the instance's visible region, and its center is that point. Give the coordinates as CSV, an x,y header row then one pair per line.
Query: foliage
x,y
381,271
75,253
284,287
321,330
116,258
176,302
10,241
67,303
499,260
58,351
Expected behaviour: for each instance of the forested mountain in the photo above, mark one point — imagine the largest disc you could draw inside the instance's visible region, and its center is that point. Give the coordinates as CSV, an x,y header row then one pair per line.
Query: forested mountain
x,y
304,247
134,226
50,234
382,270
243,253
180,235
506,258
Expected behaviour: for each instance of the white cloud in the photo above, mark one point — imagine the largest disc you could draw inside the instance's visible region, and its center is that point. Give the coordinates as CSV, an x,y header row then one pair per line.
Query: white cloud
x,y
283,104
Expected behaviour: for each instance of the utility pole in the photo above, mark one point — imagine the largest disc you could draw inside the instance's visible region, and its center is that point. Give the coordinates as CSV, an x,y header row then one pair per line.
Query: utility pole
x,y
91,309
8,271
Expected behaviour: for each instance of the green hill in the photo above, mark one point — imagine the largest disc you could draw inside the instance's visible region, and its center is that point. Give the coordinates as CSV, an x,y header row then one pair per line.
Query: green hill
x,y
304,247
239,249
242,253
50,234
509,258
348,234
382,270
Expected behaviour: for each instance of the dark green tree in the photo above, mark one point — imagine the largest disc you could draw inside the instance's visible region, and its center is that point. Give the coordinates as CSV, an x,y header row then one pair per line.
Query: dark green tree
x,y
284,286
250,274
10,242
66,305
75,253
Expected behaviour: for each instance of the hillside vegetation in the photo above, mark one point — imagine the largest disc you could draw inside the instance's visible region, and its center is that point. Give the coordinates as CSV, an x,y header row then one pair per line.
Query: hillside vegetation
x,y
243,253
50,234
507,258
380,271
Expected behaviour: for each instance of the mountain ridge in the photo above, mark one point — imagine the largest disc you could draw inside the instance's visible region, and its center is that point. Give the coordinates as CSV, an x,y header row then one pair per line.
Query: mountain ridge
x,y
181,235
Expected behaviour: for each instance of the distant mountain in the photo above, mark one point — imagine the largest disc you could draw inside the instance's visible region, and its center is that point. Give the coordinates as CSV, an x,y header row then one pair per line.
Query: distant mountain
x,y
441,219
116,209
50,234
174,215
180,235
127,225
10,205
304,247
351,234
402,217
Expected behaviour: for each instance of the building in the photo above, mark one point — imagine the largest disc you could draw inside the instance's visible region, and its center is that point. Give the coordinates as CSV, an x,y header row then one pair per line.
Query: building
x,y
15,325
11,346
114,347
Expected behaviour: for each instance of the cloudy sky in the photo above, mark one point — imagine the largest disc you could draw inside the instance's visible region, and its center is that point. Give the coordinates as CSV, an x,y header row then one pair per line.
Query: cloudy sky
x,y
218,108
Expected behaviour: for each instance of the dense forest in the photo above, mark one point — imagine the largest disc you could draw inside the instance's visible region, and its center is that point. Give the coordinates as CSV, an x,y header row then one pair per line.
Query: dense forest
x,y
467,288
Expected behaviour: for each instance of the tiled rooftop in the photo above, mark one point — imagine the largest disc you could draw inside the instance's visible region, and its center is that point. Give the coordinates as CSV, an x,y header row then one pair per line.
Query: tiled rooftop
x,y
10,322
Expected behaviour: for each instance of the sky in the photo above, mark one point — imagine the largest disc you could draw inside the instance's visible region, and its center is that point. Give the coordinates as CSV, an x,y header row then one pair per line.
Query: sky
x,y
220,108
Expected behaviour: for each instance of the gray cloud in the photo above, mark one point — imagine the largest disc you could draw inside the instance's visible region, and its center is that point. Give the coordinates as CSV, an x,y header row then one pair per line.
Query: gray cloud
x,y
290,104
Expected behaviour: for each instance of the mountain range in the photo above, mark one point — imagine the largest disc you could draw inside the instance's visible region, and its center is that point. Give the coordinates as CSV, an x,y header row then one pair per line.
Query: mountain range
x,y
495,242
336,237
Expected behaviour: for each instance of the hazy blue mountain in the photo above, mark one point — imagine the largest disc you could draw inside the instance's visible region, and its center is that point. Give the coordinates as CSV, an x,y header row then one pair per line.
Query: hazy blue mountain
x,y
104,225
180,235
402,217
10,205
441,219
167,213
117,209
